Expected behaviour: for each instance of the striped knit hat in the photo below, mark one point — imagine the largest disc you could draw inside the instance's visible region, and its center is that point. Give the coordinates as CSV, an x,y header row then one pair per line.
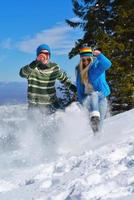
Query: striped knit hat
x,y
85,51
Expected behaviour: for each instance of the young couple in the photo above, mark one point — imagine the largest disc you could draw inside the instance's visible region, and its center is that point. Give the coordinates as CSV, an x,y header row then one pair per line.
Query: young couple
x,y
91,86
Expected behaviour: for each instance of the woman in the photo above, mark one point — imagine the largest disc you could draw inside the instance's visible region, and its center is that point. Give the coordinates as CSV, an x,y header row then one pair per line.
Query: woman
x,y
92,87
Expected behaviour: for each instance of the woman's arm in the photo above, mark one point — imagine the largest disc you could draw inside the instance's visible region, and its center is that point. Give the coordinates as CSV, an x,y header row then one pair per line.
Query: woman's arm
x,y
103,64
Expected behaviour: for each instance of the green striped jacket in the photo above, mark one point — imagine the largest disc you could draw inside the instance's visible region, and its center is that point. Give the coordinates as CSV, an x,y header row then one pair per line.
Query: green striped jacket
x,y
41,83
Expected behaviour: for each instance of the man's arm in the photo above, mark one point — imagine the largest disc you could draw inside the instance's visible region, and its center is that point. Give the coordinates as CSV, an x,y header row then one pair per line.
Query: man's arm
x,y
26,70
62,77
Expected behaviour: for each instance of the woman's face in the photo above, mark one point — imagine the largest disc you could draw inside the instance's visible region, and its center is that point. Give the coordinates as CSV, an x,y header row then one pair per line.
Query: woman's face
x,y
86,60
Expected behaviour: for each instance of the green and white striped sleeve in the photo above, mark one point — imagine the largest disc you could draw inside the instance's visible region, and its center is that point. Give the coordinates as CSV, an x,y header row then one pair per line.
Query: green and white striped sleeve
x,y
25,71
62,77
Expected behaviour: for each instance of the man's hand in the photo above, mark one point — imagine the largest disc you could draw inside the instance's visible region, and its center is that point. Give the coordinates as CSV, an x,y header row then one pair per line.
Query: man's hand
x,y
73,88
33,64
43,58
74,97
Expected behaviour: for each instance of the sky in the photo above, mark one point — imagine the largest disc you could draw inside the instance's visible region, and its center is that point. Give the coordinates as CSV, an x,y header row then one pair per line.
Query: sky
x,y
25,25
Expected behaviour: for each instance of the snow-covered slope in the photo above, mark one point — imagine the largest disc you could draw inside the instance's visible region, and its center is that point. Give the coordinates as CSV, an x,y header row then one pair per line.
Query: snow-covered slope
x,y
57,157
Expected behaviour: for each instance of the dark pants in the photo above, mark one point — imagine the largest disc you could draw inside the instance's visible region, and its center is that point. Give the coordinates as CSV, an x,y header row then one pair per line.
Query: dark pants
x,y
47,109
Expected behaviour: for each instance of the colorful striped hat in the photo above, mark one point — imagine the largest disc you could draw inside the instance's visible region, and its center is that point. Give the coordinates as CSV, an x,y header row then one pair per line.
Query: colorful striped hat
x,y
85,51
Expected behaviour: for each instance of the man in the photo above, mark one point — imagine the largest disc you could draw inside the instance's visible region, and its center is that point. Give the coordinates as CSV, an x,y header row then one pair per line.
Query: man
x,y
41,75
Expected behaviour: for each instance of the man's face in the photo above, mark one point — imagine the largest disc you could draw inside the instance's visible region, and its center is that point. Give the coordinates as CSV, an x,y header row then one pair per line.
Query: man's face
x,y
43,57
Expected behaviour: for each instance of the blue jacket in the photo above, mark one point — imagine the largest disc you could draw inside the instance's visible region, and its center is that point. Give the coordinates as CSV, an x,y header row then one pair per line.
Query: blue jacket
x,y
96,76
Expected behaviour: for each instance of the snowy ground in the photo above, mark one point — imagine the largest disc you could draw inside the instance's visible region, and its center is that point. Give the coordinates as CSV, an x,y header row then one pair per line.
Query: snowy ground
x,y
58,158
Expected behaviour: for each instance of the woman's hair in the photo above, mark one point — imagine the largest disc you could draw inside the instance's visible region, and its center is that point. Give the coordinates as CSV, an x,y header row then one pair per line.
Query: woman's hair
x,y
84,69
84,73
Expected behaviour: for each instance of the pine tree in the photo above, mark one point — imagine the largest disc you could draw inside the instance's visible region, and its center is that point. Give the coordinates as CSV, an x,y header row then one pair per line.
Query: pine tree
x,y
66,98
108,26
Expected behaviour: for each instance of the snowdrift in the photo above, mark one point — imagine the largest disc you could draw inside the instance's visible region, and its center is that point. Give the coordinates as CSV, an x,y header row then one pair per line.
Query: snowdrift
x,y
57,157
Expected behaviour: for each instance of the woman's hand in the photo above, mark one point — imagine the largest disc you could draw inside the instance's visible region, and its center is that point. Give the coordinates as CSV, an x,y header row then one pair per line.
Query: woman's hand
x,y
96,52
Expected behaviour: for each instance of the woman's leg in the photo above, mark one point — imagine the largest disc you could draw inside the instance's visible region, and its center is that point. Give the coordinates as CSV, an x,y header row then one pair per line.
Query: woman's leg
x,y
103,105
93,104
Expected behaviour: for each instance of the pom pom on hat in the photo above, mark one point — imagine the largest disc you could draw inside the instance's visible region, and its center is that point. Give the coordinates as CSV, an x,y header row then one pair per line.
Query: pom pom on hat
x,y
43,47
85,51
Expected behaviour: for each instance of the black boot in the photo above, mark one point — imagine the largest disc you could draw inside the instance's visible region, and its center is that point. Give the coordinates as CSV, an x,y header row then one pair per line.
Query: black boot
x,y
95,123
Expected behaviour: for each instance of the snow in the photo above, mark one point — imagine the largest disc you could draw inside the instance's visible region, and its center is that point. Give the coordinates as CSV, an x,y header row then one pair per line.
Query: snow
x,y
57,157
6,186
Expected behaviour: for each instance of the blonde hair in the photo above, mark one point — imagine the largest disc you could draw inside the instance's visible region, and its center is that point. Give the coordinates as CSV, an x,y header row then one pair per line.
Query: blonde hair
x,y
84,75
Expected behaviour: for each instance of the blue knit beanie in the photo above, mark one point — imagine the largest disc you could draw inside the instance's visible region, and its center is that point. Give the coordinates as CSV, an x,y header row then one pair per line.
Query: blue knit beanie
x,y
42,47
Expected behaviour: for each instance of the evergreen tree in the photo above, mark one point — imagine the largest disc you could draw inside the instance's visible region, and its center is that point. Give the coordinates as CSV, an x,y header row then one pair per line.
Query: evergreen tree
x,y
108,25
66,96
